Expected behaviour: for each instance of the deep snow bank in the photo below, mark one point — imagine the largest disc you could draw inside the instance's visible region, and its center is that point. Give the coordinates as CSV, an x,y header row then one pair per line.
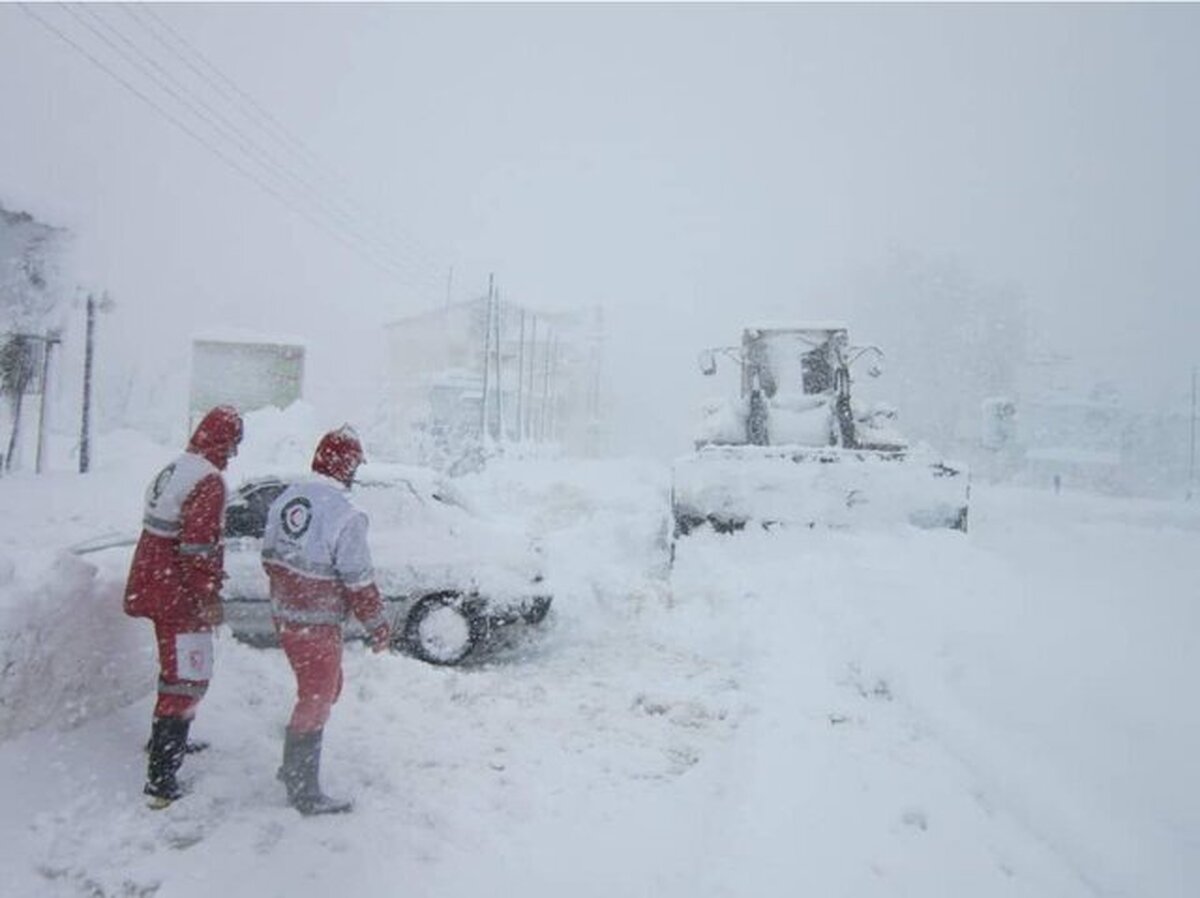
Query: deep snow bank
x,y
67,652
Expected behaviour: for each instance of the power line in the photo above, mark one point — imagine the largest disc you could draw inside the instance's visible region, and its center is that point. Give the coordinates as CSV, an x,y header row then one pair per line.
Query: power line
x,y
238,99
246,147
199,138
183,126
155,25
147,13
256,112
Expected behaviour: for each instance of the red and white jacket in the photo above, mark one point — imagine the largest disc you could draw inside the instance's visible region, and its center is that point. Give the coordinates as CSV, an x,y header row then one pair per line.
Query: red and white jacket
x,y
316,555
178,565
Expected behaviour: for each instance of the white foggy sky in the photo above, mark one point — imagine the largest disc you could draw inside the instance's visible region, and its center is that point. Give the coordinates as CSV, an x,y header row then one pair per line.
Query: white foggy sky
x,y
699,165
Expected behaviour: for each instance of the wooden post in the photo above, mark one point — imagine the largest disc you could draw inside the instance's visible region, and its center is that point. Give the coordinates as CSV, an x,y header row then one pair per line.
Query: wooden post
x,y
85,425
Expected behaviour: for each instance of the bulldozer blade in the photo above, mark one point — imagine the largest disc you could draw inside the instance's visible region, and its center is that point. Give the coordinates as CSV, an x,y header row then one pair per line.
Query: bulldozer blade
x,y
730,488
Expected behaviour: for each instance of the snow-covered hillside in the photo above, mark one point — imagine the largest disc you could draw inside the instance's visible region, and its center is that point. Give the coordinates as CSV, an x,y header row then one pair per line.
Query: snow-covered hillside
x,y
871,714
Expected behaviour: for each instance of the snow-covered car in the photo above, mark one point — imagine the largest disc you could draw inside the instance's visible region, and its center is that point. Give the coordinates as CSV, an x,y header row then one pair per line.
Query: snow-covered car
x,y
450,578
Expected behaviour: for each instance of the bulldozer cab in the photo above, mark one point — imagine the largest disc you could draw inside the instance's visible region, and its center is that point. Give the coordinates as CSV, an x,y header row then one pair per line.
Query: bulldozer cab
x,y
788,360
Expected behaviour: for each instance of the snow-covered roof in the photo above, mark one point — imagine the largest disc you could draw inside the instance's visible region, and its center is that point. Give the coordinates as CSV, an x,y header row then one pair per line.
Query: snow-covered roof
x,y
244,336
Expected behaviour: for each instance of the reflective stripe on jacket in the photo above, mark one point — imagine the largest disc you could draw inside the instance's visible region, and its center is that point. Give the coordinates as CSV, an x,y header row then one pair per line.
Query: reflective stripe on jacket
x,y
316,555
177,567
170,489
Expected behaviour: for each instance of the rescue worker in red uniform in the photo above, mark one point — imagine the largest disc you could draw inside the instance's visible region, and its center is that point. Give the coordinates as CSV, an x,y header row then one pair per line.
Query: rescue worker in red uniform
x,y
316,556
175,581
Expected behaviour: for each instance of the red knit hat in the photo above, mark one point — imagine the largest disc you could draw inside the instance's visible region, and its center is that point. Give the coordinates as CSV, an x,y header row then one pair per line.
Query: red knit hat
x,y
338,454
218,434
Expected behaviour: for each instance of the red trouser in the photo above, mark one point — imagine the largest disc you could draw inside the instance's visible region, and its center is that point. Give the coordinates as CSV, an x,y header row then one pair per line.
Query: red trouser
x,y
315,653
185,661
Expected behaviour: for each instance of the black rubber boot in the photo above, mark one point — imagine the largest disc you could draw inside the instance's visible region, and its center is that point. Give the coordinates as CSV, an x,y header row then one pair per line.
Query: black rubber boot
x,y
168,744
300,774
193,746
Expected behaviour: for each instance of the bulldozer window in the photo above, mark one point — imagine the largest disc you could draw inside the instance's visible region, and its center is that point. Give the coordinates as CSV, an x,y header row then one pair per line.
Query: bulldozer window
x,y
817,372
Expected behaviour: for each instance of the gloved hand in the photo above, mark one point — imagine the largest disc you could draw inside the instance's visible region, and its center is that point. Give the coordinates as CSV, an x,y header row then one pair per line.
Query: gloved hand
x,y
380,638
212,613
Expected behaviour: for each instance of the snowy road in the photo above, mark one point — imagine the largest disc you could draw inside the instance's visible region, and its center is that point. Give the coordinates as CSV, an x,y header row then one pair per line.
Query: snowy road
x,y
912,713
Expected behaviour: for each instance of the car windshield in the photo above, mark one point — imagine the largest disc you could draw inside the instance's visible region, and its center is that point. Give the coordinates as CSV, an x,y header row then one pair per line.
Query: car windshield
x,y
246,513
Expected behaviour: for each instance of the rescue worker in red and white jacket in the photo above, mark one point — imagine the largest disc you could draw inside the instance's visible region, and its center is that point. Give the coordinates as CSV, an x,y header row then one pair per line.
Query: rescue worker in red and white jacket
x,y
316,556
175,581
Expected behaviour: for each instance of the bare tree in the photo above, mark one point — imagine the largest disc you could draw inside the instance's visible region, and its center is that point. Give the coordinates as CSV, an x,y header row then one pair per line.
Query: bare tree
x,y
31,298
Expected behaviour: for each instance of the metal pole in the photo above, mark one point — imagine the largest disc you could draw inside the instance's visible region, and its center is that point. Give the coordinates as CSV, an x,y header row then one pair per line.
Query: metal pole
x,y
47,342
499,382
555,411
85,426
532,361
487,362
545,392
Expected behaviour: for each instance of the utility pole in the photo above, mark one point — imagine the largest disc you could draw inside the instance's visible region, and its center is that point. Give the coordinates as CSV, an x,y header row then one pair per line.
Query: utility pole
x,y
85,425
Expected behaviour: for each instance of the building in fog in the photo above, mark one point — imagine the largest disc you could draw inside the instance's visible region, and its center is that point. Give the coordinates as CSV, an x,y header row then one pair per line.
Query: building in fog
x,y
1076,431
489,371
